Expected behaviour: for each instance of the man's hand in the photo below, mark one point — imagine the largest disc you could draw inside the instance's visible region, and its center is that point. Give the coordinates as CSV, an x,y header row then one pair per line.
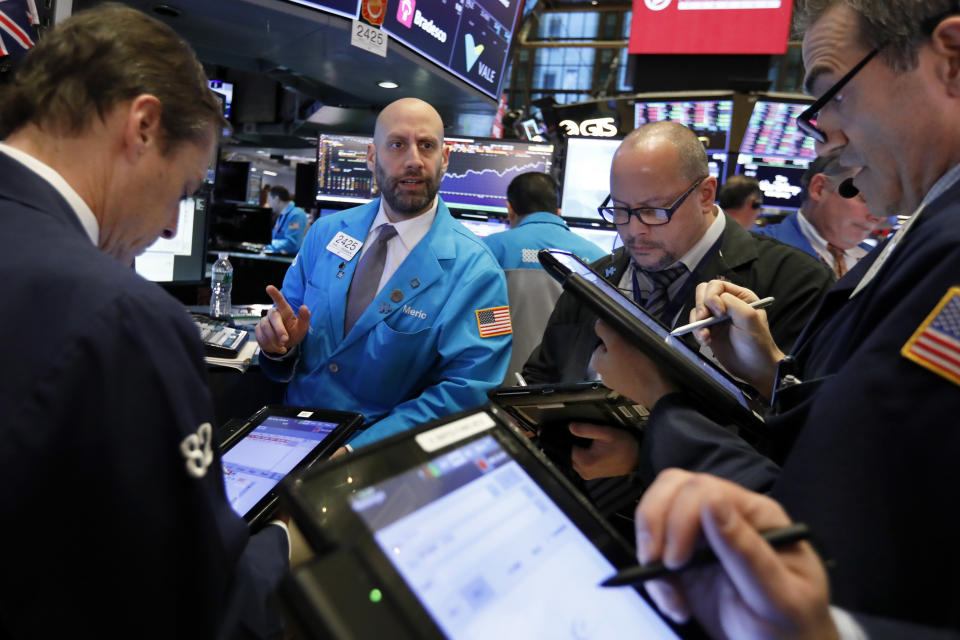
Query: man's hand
x,y
754,591
744,344
628,370
612,453
281,330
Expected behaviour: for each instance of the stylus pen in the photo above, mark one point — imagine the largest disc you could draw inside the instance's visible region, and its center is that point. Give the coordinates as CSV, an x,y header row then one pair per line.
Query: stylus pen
x,y
762,303
641,573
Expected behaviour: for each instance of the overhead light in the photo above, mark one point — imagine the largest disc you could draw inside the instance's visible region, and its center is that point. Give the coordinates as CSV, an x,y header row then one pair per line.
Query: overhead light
x,y
269,173
387,84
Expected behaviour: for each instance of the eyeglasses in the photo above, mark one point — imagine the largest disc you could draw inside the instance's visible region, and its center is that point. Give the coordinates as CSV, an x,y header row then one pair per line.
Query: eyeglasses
x,y
647,215
807,120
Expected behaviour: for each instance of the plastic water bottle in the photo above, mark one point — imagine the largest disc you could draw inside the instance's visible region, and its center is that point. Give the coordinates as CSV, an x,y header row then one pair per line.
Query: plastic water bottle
x,y
221,282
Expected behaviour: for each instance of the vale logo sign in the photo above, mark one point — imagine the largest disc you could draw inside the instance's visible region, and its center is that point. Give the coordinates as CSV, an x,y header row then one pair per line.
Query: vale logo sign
x,y
473,50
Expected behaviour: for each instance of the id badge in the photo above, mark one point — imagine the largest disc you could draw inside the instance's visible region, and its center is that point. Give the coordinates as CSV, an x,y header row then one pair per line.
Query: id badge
x,y
344,246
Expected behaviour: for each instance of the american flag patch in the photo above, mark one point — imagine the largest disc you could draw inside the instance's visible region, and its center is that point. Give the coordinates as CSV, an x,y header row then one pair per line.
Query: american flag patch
x,y
494,321
936,343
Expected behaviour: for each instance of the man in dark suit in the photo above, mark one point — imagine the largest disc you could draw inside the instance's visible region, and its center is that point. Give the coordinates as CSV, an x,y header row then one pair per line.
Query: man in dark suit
x,y
113,503
867,406
655,166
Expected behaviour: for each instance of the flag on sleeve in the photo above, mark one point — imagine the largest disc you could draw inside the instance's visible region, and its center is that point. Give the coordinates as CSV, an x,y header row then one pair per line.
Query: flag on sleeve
x,y
494,321
18,22
936,343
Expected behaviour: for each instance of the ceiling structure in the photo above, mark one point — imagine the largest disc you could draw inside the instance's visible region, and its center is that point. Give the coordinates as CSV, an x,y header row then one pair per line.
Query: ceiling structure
x,y
309,51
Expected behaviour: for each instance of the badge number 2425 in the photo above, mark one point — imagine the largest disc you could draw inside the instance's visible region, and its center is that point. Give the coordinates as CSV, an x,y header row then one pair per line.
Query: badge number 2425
x,y
368,38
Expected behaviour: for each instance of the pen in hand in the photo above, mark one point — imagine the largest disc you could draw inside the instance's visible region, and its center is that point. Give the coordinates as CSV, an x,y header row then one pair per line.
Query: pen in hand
x,y
639,574
762,303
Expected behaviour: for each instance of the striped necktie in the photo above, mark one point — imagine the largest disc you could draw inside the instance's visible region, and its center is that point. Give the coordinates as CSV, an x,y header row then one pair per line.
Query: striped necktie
x,y
839,259
657,301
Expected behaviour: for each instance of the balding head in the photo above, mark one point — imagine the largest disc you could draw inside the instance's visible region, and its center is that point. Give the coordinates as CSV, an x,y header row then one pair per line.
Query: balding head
x,y
408,157
691,158
408,110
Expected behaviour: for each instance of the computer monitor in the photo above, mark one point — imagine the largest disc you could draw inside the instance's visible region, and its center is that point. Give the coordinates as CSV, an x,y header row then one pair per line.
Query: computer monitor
x,y
776,152
224,89
480,170
342,173
181,259
709,116
586,176
604,237
482,224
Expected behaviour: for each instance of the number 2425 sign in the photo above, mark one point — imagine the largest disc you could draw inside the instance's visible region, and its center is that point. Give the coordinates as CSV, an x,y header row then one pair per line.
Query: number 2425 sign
x,y
368,38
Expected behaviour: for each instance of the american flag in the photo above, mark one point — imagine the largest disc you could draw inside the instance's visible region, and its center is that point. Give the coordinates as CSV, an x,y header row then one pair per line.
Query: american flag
x,y
494,321
936,344
18,20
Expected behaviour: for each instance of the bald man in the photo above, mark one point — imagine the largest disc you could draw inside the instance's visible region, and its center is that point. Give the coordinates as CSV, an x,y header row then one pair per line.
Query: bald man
x,y
662,203
392,309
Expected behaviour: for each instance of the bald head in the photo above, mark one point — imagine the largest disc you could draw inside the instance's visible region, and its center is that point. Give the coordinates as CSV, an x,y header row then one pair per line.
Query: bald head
x,y
408,157
690,156
407,110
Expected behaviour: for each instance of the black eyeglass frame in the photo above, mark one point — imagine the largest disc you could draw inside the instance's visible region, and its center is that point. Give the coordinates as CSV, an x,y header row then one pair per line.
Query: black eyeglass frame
x,y
805,119
634,211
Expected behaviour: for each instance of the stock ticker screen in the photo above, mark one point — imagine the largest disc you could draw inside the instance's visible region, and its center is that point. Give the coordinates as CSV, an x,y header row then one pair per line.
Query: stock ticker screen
x,y
709,119
481,169
469,38
342,173
776,152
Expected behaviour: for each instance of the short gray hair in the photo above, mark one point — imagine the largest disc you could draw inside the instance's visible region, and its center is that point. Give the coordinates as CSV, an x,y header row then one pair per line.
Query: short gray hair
x,y
899,26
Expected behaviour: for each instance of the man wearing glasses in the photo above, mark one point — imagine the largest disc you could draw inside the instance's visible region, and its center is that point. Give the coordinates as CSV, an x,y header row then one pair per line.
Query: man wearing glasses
x,y
740,198
674,237
869,401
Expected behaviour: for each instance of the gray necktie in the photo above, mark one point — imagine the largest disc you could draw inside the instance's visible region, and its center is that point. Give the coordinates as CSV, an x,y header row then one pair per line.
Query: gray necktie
x,y
366,279
658,299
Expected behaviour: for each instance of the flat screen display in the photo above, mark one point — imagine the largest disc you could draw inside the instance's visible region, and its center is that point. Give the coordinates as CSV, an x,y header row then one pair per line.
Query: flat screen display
x,y
490,555
480,170
710,26
469,38
254,465
484,226
586,176
224,89
776,152
710,119
182,258
342,173
606,239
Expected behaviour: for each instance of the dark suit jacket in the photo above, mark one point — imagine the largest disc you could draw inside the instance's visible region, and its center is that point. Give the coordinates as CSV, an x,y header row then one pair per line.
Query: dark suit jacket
x,y
766,266
106,531
871,439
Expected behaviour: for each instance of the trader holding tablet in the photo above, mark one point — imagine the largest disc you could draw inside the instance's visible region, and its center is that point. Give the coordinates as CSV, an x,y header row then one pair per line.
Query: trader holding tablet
x,y
115,520
674,236
868,406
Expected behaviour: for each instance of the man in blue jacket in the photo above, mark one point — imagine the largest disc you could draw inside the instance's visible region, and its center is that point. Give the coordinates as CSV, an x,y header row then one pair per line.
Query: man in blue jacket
x,y
828,225
291,224
402,313
535,223
115,518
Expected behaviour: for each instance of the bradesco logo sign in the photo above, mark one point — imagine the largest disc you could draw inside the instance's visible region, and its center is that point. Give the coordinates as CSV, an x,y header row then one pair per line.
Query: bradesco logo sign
x,y
409,16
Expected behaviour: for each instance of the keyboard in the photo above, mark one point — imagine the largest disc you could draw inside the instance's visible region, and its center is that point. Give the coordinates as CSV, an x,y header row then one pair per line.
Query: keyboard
x,y
220,340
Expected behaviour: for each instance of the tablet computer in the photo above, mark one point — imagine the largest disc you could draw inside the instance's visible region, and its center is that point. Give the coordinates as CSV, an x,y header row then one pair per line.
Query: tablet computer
x,y
457,529
277,440
717,394
541,405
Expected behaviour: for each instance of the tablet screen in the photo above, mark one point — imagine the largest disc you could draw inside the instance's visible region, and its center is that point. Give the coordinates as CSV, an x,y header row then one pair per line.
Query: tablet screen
x,y
489,554
253,467
576,266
